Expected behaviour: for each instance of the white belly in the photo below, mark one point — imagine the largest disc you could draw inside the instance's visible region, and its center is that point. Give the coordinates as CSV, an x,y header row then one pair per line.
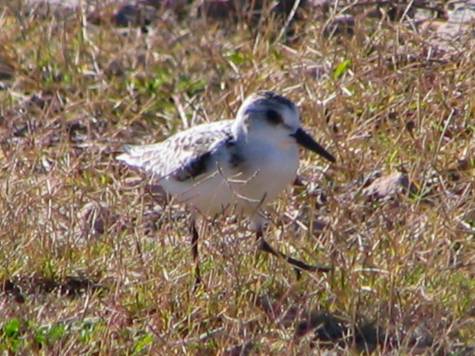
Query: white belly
x,y
210,195
266,176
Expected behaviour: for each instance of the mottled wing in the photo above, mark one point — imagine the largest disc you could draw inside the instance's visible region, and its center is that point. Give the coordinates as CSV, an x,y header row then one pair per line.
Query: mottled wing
x,y
183,156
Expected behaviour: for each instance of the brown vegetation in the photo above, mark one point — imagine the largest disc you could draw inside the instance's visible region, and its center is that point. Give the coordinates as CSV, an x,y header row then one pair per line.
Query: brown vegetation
x,y
93,260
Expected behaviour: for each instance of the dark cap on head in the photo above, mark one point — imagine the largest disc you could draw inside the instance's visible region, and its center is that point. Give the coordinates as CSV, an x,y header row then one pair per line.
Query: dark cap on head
x,y
279,99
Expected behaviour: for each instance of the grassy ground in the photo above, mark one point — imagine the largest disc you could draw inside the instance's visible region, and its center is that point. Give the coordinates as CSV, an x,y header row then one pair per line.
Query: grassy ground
x,y
93,260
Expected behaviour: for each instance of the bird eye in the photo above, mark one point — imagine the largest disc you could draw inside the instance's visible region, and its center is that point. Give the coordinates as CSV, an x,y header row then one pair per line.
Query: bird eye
x,y
273,117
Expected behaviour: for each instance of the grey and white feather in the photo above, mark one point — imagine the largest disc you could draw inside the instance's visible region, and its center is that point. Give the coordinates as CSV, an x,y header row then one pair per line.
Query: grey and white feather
x,y
243,163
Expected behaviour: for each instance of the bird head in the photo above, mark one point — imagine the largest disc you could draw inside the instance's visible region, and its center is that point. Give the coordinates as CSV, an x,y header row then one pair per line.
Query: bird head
x,y
270,117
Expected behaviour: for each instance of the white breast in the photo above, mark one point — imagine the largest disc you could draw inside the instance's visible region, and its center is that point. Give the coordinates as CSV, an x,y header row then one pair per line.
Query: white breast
x,y
272,169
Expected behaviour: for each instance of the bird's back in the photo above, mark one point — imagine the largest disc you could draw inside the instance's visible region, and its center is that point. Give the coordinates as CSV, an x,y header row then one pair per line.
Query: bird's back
x,y
178,151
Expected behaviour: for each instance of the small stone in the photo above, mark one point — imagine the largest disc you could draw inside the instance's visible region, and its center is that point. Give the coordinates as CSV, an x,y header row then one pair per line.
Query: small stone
x,y
389,185
454,35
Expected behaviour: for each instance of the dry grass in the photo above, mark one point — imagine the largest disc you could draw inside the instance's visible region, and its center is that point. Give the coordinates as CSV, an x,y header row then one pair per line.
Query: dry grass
x,y
93,261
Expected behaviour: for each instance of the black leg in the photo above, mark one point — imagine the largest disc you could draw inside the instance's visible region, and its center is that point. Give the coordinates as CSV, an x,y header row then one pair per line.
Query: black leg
x,y
194,252
299,265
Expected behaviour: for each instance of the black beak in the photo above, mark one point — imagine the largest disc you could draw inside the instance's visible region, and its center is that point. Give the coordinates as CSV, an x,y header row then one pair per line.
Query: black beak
x,y
305,140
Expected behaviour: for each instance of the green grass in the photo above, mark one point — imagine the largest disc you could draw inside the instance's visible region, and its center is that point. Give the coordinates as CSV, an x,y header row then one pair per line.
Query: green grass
x,y
92,262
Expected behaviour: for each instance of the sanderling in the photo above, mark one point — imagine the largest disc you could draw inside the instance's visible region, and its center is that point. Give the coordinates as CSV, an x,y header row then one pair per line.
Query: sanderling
x,y
239,165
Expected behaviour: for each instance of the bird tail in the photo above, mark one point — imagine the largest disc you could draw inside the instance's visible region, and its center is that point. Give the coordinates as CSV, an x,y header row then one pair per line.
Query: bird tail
x,y
132,156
